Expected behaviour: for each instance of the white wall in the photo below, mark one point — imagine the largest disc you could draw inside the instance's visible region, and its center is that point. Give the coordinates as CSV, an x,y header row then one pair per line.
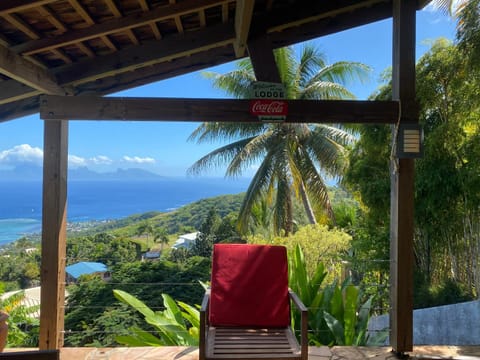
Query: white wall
x,y
457,324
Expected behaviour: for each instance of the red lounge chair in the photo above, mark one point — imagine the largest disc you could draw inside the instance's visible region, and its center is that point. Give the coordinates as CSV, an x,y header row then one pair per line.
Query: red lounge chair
x,y
246,312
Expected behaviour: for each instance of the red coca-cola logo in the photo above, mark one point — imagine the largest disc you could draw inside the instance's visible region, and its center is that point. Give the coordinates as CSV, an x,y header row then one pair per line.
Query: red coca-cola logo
x,y
260,107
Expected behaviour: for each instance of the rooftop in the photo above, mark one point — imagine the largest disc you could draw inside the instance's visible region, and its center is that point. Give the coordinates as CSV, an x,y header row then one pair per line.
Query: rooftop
x,y
85,268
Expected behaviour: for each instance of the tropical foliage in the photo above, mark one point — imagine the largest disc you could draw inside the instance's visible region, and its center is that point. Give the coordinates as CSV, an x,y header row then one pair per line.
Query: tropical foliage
x,y
336,314
320,245
292,159
178,324
23,326
447,187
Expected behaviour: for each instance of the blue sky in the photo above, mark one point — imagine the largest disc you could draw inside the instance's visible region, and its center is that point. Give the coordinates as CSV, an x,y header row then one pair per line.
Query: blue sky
x,y
162,147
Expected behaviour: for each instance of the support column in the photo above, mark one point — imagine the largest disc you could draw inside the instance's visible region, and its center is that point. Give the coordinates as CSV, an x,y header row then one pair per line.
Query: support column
x,y
54,230
402,182
261,55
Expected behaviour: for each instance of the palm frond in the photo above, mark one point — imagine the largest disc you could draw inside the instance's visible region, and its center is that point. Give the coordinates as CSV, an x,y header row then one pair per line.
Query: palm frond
x,y
250,153
311,62
256,190
227,131
237,83
217,157
286,63
314,183
327,151
344,72
324,90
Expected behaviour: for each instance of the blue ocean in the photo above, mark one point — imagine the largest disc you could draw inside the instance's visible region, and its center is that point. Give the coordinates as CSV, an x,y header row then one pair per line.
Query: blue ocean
x,y
21,202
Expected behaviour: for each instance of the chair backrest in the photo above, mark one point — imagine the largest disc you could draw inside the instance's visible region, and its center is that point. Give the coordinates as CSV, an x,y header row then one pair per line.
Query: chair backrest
x,y
249,286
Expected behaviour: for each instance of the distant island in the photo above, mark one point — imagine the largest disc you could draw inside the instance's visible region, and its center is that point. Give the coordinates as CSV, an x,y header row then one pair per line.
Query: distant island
x,y
33,172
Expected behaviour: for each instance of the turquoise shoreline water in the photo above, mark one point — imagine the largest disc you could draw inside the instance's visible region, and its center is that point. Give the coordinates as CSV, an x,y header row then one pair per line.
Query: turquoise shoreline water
x,y
21,206
13,229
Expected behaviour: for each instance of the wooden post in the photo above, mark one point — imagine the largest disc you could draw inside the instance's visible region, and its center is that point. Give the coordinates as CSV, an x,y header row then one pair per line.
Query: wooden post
x,y
261,54
402,182
54,230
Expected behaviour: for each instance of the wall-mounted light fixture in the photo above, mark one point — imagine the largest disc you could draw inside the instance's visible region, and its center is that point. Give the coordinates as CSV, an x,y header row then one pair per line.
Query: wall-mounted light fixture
x,y
410,141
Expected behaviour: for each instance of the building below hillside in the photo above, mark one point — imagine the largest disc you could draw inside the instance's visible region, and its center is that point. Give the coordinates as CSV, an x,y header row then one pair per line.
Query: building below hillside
x,y
73,272
185,241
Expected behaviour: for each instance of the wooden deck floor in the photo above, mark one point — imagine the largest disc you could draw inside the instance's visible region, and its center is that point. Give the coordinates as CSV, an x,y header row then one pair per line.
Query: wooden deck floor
x,y
315,353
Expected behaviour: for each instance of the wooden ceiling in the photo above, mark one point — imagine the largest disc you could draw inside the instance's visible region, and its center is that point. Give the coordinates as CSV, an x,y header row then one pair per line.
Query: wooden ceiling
x,y
98,47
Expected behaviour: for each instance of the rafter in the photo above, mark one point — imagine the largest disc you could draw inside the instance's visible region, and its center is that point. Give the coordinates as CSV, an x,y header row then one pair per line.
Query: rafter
x,y
147,54
320,27
116,25
13,91
153,25
21,25
243,19
52,18
177,19
85,49
16,67
116,13
11,6
225,12
90,21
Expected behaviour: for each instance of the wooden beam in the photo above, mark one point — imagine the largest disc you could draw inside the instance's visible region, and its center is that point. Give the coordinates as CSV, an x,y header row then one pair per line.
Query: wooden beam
x,y
402,182
115,25
285,18
11,6
13,90
16,67
21,25
54,234
19,108
226,110
147,54
52,18
121,81
243,19
261,54
157,72
320,26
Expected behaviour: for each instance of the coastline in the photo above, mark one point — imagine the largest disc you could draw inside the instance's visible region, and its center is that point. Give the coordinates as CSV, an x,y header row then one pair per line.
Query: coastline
x,y
92,203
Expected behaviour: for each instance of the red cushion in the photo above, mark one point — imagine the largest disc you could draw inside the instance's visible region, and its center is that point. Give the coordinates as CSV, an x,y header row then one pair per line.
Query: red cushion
x,y
249,286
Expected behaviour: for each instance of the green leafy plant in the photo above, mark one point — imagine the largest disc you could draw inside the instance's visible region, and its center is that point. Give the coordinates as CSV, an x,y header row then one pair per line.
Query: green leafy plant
x,y
336,315
23,325
178,324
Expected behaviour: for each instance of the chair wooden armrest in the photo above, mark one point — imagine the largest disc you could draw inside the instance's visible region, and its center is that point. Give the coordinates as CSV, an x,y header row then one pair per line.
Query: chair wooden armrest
x,y
34,355
304,322
204,323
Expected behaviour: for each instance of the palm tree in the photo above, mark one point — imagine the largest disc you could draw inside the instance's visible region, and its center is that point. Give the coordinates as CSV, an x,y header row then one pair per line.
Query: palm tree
x,y
160,235
451,7
289,155
145,228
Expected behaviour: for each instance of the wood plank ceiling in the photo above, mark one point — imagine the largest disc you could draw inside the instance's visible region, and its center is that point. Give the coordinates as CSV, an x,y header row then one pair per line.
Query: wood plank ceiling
x,y
98,47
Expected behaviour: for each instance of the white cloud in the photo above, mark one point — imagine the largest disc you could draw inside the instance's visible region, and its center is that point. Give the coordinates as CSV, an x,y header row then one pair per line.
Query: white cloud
x,y
76,161
139,160
27,154
101,160
21,154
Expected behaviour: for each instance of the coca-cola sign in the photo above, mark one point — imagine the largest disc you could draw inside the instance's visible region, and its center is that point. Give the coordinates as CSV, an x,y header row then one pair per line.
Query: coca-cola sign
x,y
267,102
261,107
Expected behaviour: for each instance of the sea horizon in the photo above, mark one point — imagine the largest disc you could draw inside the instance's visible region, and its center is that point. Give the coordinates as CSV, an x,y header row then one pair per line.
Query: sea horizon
x,y
100,200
